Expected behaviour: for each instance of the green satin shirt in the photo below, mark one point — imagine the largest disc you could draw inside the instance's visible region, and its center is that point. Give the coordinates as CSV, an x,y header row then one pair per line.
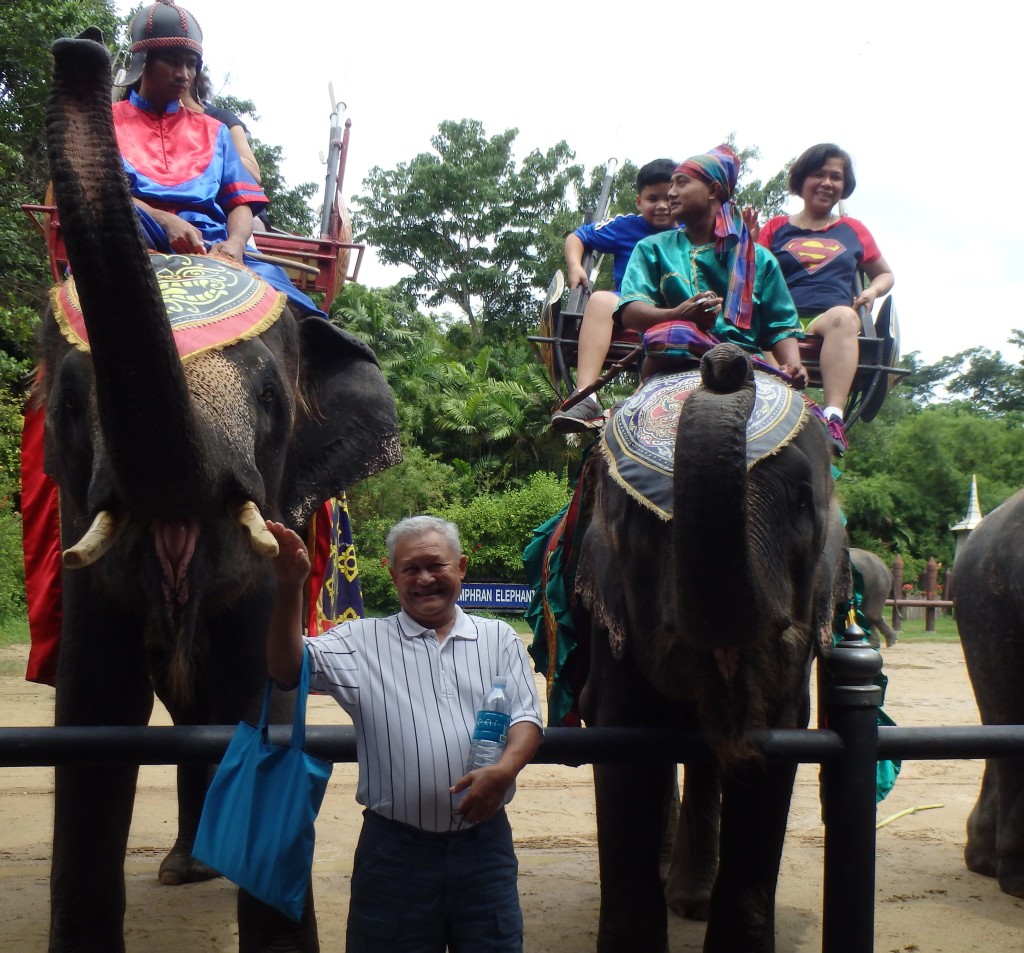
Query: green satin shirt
x,y
666,269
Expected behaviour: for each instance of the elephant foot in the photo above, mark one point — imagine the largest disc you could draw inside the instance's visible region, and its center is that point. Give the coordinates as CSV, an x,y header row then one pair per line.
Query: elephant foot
x,y
691,904
981,860
180,867
731,940
691,909
1011,879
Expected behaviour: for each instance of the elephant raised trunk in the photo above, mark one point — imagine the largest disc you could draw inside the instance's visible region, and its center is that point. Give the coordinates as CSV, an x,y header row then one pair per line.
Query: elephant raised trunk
x,y
720,604
140,385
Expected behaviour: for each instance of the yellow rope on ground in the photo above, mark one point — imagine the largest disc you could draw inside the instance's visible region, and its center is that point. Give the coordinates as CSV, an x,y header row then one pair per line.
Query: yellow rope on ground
x,y
903,813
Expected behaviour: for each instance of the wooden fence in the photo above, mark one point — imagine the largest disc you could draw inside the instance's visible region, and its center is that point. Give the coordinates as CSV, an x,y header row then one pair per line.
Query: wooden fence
x,y
931,601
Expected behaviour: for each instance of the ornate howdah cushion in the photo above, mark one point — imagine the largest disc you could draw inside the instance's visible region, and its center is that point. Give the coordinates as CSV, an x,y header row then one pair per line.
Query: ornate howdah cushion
x,y
210,303
639,440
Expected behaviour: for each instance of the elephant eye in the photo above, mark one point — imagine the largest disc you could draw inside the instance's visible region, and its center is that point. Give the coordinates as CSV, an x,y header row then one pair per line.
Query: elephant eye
x,y
268,394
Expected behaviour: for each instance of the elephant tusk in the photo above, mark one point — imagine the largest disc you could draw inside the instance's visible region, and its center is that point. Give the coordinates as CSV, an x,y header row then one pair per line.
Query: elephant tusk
x,y
97,540
260,538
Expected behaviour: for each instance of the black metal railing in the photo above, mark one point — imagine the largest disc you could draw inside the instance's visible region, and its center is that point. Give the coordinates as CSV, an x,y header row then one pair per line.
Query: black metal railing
x,y
848,751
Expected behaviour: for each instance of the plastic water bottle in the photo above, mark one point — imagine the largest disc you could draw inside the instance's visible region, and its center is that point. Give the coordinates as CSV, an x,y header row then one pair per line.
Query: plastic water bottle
x,y
491,732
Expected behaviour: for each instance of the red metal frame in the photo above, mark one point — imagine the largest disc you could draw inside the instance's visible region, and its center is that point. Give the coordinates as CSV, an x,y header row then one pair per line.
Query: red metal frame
x,y
336,261
331,254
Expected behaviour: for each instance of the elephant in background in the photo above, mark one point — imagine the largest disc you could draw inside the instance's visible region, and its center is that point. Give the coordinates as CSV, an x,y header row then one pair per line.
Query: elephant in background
x,y
877,588
711,620
165,467
989,606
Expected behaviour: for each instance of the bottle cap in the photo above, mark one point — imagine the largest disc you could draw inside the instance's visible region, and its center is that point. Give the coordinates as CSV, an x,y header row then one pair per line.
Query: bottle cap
x,y
499,681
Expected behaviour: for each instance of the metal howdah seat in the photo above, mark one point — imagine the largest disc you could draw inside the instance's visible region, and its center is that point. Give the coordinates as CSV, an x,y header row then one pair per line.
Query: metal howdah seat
x,y
557,339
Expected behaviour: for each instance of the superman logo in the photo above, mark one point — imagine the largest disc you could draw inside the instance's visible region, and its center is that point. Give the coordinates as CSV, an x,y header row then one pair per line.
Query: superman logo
x,y
814,253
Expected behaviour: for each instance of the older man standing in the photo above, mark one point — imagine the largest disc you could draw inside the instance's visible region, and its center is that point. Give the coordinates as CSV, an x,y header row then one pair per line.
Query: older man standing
x,y
428,873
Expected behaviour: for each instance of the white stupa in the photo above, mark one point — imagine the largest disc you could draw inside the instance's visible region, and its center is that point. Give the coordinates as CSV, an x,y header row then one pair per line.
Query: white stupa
x,y
971,519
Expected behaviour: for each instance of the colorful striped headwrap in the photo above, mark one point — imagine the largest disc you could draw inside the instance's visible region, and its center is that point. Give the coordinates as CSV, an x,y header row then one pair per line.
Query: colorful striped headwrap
x,y
722,166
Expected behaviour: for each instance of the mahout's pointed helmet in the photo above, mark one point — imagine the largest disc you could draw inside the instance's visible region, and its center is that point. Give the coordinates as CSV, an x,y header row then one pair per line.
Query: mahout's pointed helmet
x,y
162,25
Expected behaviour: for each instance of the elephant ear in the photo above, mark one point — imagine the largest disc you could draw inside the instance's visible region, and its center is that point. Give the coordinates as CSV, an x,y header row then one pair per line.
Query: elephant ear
x,y
346,425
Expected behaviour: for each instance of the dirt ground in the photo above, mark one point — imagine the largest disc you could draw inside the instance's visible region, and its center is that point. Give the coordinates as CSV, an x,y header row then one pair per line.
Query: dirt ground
x,y
927,901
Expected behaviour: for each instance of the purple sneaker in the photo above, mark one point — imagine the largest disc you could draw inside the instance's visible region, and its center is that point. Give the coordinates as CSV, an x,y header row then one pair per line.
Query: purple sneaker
x,y
836,435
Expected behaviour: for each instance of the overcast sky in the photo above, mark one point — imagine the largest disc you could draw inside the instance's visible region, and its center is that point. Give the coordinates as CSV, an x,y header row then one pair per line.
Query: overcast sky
x,y
925,97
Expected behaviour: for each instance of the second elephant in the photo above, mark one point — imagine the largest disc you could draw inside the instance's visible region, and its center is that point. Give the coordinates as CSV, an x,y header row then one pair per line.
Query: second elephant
x,y
877,588
989,574
708,619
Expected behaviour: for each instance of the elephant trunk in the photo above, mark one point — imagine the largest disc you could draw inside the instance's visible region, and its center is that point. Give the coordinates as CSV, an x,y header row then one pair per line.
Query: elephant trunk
x,y
719,605
140,385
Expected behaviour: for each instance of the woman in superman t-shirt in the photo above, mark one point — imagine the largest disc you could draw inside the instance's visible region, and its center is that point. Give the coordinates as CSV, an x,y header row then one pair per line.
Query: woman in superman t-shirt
x,y
820,253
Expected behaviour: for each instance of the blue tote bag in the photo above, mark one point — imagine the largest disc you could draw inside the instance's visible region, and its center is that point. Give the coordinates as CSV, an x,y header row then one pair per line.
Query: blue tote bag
x,y
257,827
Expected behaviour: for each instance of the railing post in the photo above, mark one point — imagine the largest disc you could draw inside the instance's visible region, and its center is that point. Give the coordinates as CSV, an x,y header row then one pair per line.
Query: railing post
x,y
848,794
931,577
897,591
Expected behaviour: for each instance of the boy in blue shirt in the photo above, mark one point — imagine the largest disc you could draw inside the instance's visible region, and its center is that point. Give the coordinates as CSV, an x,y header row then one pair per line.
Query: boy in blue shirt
x,y
616,236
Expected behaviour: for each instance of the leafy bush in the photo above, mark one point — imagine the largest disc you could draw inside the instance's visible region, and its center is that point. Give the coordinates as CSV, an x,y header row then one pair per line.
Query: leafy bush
x,y
12,570
419,484
374,579
496,527
494,530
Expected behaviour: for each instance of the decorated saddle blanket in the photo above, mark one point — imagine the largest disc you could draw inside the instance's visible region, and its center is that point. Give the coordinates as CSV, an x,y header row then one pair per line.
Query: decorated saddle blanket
x,y
639,440
210,303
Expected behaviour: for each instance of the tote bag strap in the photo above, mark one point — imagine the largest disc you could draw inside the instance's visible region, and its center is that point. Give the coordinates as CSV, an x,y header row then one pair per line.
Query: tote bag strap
x,y
301,694
299,721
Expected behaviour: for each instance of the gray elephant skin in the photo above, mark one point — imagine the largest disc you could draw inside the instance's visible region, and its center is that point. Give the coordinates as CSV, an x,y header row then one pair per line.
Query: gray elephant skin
x,y
166,455
708,620
989,605
877,588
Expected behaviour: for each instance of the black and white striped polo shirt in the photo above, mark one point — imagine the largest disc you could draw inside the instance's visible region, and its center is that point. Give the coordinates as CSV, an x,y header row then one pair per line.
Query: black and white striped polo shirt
x,y
413,701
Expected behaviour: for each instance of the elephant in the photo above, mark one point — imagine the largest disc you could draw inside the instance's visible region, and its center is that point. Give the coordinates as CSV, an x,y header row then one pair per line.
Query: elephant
x,y
165,467
877,588
708,619
989,606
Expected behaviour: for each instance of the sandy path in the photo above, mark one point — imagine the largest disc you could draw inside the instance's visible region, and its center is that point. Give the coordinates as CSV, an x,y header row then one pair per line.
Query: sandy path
x,y
927,900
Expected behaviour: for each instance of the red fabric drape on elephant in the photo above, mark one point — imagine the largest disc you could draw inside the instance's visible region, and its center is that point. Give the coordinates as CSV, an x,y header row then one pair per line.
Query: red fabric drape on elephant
x,y
40,522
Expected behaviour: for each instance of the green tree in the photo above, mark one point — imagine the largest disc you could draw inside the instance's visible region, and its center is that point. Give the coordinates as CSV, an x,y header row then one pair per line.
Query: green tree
x,y
984,378
483,409
289,205
906,478
30,27
466,219
768,196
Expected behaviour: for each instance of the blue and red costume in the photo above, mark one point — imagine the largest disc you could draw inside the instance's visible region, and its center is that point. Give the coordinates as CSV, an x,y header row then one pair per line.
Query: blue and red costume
x,y
819,265
185,162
